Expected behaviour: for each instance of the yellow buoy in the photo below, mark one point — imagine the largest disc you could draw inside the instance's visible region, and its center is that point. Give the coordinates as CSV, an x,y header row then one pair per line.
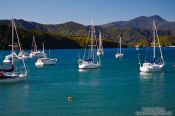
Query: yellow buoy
x,y
69,98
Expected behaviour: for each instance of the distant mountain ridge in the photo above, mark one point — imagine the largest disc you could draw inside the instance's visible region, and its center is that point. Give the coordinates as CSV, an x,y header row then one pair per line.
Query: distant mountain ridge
x,y
144,22
51,28
141,22
136,29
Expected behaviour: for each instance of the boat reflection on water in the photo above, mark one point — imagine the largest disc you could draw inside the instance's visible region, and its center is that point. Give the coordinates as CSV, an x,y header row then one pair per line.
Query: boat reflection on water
x,y
39,66
152,89
82,70
144,75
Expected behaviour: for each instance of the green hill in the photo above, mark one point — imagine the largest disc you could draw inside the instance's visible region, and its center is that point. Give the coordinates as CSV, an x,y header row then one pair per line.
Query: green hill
x,y
53,41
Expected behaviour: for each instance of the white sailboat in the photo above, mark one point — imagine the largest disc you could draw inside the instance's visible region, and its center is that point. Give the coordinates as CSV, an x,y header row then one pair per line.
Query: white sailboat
x,y
137,47
119,53
23,54
157,63
100,47
90,60
11,75
8,58
45,60
35,52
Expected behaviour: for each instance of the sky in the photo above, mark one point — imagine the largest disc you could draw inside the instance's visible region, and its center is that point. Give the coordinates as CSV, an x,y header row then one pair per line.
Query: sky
x,y
82,11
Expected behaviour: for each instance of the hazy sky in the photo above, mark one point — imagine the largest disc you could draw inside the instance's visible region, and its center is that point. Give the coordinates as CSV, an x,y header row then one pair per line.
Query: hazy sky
x,y
81,11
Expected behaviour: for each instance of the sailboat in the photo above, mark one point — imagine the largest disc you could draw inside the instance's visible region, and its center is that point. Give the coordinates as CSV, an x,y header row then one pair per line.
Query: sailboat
x,y
45,60
156,64
100,47
23,54
8,58
137,47
90,60
119,53
35,52
12,75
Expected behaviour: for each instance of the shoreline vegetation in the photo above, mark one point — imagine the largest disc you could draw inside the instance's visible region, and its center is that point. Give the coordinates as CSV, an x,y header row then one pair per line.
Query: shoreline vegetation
x,y
55,41
52,41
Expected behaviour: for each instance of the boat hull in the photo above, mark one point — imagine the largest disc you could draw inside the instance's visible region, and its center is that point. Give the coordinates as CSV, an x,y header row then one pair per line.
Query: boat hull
x,y
151,68
100,53
37,54
6,61
24,56
42,62
88,65
119,55
14,78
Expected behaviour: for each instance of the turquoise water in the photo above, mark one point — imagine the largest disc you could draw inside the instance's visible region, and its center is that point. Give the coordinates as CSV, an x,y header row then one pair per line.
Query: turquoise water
x,y
117,89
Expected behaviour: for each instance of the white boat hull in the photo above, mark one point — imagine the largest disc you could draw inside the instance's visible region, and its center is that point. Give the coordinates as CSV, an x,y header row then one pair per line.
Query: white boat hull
x,y
24,56
99,53
14,78
37,54
148,67
88,65
118,55
8,58
42,62
6,61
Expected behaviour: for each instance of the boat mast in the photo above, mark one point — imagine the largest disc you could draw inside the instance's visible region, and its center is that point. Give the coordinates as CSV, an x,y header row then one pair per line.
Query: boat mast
x,y
100,41
17,37
154,42
35,46
43,46
20,47
92,37
159,44
120,44
12,43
